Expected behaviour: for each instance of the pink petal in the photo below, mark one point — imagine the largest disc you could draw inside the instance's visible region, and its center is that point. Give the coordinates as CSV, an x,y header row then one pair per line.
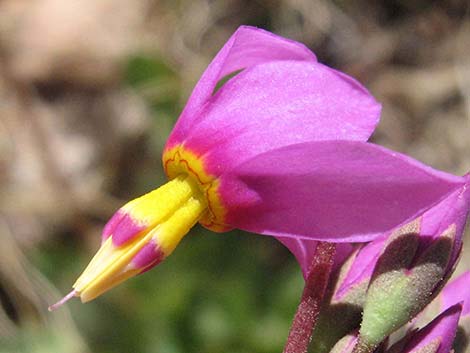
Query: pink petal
x,y
304,252
362,266
339,191
278,104
247,47
454,210
457,291
441,330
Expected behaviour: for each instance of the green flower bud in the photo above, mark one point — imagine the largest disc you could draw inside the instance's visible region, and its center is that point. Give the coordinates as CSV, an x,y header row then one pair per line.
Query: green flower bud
x,y
402,285
415,263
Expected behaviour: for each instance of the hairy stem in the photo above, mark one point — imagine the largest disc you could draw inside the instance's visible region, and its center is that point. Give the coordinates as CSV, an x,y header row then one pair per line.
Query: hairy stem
x,y
305,318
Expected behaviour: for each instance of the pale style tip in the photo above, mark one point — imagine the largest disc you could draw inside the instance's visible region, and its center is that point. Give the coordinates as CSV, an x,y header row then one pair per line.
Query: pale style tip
x,y
65,299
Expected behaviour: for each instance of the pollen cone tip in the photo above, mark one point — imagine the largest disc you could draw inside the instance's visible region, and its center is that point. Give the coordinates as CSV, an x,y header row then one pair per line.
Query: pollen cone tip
x,y
65,299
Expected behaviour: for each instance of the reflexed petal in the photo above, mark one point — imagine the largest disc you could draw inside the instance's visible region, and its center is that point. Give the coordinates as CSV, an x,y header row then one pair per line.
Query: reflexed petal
x,y
247,47
304,252
457,291
278,104
362,267
416,261
338,191
451,212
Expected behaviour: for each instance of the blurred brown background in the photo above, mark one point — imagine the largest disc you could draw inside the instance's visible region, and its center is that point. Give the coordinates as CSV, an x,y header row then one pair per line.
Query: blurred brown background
x,y
89,91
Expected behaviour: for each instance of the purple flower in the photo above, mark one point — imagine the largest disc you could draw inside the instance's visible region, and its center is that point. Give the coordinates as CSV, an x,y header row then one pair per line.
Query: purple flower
x,y
271,143
277,150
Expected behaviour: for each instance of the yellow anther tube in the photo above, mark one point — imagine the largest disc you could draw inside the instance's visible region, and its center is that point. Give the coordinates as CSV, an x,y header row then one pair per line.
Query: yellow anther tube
x,y
168,213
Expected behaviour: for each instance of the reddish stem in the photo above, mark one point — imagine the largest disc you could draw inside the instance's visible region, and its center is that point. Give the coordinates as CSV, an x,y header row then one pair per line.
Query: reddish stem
x,y
315,286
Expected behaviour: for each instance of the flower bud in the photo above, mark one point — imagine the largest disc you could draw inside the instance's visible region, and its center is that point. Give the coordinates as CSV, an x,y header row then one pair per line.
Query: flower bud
x,y
416,261
342,310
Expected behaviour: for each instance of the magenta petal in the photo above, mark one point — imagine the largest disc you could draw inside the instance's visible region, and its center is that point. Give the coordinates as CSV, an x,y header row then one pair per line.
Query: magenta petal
x,y
457,291
440,331
362,266
304,252
343,251
302,249
278,104
339,191
453,211
247,47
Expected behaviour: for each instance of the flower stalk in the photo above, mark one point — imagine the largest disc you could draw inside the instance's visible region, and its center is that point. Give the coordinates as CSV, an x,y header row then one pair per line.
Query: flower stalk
x,y
306,316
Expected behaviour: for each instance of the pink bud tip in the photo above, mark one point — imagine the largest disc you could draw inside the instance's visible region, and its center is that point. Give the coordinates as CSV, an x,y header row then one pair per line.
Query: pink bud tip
x,y
65,299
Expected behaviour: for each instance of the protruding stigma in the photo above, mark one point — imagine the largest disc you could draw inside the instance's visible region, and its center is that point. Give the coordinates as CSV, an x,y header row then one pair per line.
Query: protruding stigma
x,y
65,299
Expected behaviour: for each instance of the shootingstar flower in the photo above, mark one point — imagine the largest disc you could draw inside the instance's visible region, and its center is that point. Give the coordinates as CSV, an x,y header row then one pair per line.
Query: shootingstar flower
x,y
278,150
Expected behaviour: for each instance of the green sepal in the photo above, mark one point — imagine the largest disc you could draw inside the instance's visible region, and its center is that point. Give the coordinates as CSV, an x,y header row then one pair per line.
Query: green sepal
x,y
404,283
